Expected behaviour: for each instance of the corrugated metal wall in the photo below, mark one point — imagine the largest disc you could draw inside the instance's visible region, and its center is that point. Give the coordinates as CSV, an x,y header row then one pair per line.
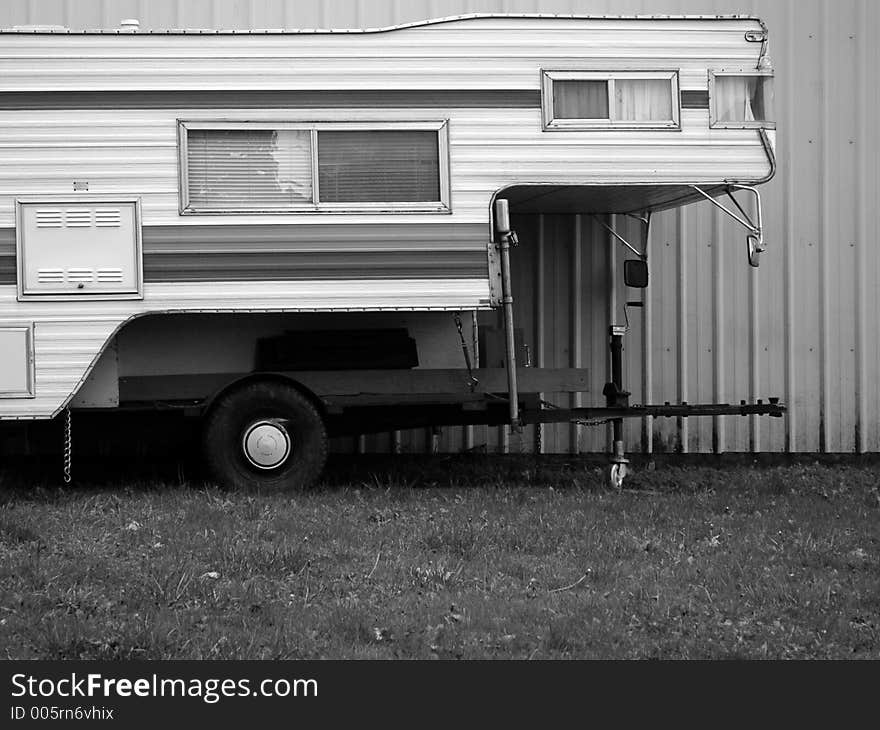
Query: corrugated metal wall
x,y
803,326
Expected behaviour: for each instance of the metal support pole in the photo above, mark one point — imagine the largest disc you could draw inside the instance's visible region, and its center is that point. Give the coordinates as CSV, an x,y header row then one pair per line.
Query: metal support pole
x,y
616,346
507,299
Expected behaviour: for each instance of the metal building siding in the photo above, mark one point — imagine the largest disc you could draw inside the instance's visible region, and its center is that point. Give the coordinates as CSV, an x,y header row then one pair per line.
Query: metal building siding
x,y
803,326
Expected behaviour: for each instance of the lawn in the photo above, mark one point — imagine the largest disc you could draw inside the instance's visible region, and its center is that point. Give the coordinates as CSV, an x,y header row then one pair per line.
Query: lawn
x,y
460,557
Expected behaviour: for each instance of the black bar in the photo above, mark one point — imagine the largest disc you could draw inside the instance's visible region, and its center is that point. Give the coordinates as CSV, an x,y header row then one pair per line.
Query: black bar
x,y
561,415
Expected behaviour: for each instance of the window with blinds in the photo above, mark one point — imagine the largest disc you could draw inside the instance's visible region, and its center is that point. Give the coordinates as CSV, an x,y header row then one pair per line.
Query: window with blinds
x,y
244,167
579,100
249,169
378,166
741,100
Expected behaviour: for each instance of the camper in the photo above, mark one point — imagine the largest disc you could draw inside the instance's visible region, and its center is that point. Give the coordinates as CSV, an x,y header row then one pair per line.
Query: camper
x,y
276,231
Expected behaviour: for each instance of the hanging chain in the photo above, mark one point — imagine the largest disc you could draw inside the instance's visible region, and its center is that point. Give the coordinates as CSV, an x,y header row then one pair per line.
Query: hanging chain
x,y
68,446
472,381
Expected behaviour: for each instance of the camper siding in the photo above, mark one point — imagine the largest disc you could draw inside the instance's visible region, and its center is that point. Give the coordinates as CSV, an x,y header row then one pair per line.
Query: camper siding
x,y
69,335
121,151
481,53
326,261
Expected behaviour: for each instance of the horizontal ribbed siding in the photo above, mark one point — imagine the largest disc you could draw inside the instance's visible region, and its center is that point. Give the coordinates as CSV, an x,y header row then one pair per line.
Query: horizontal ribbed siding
x,y
401,59
268,253
278,253
69,335
281,99
135,152
7,256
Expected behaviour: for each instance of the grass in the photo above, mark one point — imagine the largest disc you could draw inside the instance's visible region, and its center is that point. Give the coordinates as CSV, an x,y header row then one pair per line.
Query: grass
x,y
448,558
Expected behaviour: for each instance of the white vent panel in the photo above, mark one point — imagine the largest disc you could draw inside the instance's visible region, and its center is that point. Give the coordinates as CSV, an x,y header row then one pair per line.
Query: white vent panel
x,y
78,217
49,218
79,248
108,217
80,276
110,276
50,276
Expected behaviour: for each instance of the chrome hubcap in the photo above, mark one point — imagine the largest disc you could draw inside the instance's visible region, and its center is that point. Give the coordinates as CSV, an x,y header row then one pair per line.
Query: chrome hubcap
x,y
266,444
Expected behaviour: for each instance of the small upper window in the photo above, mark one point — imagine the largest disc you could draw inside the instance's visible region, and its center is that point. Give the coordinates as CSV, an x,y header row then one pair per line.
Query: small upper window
x,y
610,100
277,167
741,100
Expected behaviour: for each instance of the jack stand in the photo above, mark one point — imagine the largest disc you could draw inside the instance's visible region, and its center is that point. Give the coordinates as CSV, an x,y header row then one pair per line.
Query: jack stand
x,y
506,237
616,397
507,241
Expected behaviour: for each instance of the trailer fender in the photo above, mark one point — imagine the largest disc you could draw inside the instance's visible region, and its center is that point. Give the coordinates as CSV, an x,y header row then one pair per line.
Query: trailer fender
x,y
265,377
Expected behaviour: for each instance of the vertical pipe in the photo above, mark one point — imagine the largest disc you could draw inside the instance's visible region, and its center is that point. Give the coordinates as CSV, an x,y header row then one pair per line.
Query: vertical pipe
x,y
576,322
539,320
611,300
503,431
616,346
680,231
475,349
754,369
509,341
648,361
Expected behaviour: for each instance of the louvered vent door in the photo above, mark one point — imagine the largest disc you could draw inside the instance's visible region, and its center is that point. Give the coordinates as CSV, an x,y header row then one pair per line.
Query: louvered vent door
x,y
79,248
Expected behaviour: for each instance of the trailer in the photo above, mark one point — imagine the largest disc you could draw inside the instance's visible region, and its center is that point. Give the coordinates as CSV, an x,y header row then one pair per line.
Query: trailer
x,y
288,234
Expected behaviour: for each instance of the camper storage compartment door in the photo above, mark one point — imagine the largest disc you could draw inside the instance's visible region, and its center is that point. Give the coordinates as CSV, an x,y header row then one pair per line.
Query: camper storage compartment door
x,y
79,247
16,360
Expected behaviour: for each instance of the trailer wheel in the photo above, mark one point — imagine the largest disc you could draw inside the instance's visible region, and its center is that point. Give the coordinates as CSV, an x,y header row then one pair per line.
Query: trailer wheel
x,y
265,436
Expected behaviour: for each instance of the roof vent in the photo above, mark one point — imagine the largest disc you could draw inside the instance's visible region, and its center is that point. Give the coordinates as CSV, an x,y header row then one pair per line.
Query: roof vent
x,y
131,24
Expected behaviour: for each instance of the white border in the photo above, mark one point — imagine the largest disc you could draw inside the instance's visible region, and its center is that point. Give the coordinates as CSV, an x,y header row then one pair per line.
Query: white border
x,y
550,124
28,328
756,124
444,205
104,294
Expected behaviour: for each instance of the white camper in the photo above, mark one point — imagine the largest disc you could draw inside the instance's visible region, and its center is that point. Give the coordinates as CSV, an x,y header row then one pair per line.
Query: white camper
x,y
269,228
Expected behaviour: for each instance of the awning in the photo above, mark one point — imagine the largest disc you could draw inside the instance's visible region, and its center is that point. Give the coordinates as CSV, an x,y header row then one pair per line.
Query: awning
x,y
600,199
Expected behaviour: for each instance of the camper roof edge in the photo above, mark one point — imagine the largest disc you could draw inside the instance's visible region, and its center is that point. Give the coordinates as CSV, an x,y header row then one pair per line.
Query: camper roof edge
x,y
59,30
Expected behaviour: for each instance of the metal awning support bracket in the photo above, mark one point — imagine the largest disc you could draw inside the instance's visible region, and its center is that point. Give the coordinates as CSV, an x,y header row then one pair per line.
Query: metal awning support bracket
x,y
755,228
644,220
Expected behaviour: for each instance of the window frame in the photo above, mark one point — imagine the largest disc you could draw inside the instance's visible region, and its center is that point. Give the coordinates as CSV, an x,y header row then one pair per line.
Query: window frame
x,y
551,124
441,127
714,123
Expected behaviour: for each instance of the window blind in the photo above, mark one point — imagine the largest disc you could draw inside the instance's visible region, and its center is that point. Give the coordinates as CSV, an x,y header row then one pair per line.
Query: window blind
x,y
743,98
580,99
378,166
642,100
248,169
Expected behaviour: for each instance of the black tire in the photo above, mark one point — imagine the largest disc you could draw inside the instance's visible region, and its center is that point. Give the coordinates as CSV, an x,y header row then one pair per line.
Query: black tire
x,y
237,413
